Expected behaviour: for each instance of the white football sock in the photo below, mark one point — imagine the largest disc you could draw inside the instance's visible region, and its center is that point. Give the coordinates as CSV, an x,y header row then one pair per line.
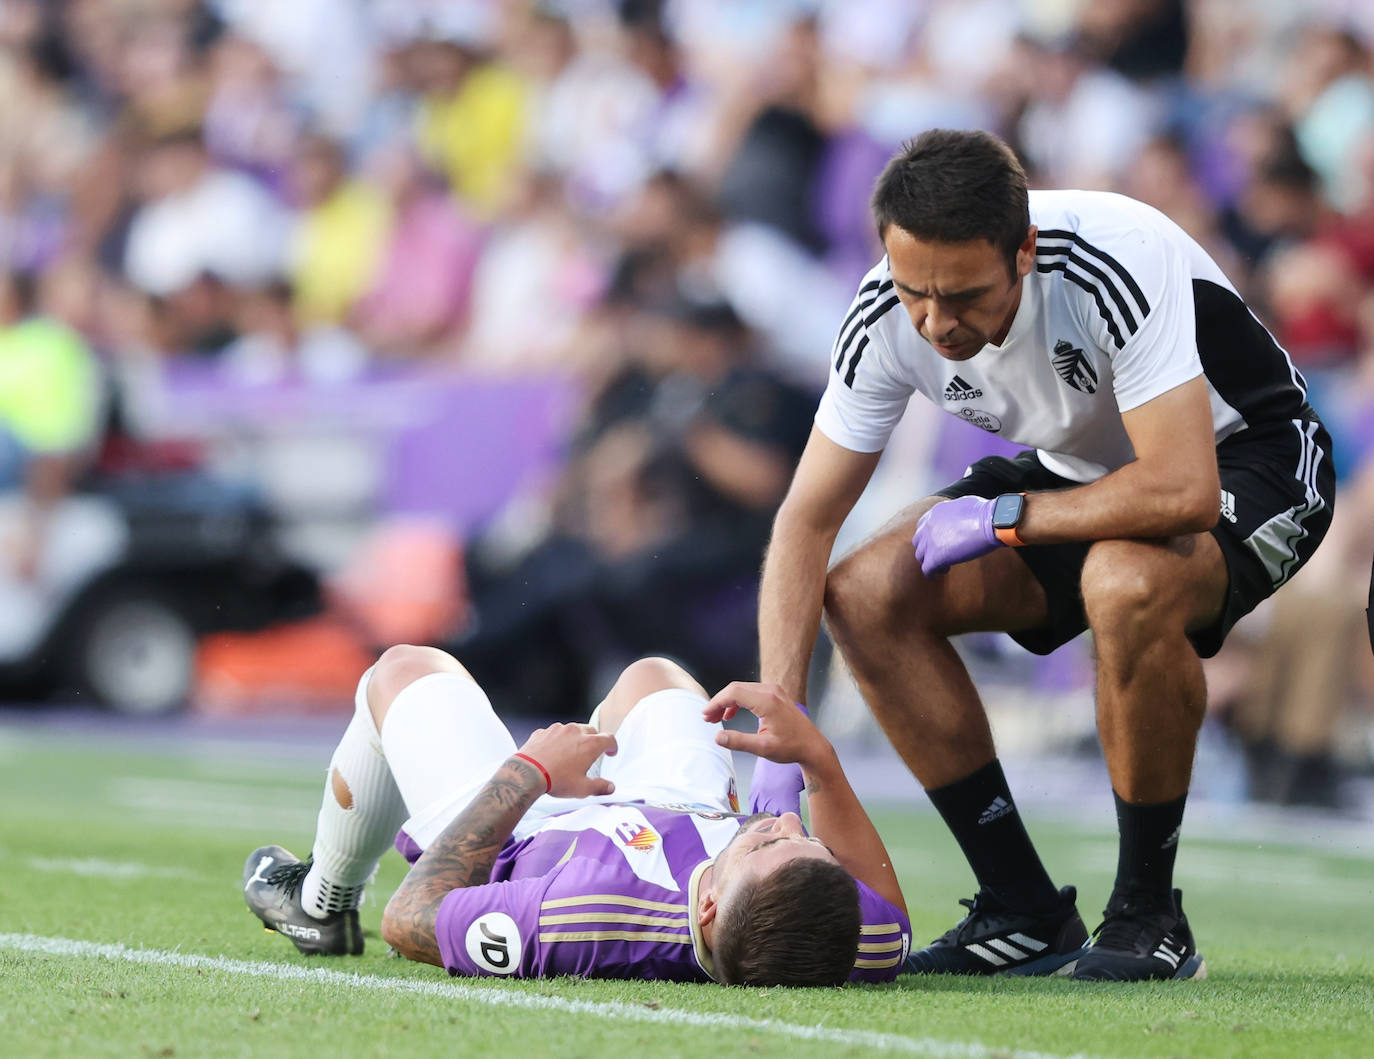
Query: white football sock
x,y
349,842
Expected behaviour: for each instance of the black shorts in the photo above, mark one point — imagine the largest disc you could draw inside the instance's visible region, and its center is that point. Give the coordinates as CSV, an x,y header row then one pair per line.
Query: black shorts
x,y
1278,489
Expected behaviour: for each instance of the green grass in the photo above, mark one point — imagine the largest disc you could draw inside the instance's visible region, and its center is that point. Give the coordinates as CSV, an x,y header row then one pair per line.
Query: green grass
x,y
144,852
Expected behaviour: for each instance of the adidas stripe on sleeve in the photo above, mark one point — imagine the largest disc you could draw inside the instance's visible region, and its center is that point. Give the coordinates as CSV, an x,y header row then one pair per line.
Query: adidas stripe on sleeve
x,y
1142,292
865,396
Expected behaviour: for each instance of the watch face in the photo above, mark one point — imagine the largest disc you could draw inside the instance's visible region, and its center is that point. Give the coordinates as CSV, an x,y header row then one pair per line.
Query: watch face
x,y
1006,511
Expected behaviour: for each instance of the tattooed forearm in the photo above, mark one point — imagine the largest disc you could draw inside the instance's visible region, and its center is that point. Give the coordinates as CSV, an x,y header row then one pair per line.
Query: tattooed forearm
x,y
462,855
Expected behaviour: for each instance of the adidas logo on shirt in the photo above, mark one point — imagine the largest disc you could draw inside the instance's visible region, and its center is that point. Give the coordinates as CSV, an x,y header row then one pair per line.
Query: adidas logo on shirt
x,y
959,390
999,808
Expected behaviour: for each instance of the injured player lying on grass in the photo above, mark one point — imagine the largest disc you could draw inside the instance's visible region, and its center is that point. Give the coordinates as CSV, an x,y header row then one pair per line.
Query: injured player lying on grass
x,y
614,849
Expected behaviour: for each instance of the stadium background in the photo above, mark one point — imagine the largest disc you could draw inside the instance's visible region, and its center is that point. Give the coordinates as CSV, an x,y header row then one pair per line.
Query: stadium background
x,y
499,326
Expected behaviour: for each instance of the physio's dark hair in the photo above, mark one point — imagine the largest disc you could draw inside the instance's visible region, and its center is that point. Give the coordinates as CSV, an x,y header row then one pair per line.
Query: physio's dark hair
x,y
952,186
798,925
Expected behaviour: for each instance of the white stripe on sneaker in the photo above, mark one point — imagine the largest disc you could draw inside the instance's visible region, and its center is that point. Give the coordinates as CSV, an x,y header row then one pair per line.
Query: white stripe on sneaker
x,y
1027,943
986,954
1008,948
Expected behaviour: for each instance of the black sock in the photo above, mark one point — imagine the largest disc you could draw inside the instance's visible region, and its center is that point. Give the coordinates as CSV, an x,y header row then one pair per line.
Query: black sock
x,y
1149,844
980,812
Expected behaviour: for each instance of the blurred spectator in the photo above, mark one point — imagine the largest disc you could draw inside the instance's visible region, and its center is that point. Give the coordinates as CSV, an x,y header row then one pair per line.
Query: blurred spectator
x,y
199,220
422,288
594,122
472,119
49,412
1278,201
326,47
339,235
1083,124
1330,96
1139,39
780,290
538,274
251,121
273,344
670,493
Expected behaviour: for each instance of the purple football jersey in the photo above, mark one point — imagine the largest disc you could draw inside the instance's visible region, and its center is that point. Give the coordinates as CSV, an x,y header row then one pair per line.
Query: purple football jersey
x,y
610,891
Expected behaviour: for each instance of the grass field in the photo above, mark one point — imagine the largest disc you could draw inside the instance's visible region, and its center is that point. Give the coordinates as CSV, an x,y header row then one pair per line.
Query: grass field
x,y
122,932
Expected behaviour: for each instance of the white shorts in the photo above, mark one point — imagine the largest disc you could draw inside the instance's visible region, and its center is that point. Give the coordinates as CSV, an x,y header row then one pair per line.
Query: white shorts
x,y
666,755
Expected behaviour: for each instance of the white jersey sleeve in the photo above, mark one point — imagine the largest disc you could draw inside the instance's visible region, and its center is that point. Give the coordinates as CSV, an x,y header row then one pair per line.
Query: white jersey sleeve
x,y
1160,351
860,408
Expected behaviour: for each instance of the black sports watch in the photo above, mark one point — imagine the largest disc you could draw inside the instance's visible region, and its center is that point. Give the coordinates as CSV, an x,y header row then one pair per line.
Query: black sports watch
x,y
1007,512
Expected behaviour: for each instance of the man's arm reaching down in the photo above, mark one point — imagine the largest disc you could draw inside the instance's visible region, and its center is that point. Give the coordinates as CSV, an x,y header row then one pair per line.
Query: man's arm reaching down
x,y
465,851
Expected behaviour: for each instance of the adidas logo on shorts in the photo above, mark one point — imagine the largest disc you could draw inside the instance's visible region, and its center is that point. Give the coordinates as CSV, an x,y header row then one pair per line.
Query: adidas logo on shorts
x,y
959,390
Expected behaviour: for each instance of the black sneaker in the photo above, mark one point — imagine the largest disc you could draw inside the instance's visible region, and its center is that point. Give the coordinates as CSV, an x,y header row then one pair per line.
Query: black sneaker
x,y
272,887
995,939
1142,937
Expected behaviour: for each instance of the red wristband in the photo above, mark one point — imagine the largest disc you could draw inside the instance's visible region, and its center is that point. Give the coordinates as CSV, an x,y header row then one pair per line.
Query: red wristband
x,y
548,780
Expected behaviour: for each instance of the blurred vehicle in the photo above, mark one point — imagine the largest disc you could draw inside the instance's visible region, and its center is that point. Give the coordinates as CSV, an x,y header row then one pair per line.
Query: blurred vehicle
x,y
133,570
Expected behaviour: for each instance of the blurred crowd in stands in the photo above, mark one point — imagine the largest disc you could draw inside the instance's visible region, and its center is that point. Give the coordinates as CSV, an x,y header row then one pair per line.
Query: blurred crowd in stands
x,y
663,203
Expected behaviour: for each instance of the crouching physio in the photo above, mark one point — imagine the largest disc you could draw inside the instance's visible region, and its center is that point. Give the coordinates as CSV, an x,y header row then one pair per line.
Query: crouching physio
x,y
614,849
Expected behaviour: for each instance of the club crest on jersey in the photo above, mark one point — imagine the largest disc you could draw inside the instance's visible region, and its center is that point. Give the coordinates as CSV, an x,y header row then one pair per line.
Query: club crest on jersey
x,y
982,420
1074,367
637,836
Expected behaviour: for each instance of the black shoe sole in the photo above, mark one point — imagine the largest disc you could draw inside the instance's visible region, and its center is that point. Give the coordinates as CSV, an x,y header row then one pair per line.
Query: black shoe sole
x,y
1194,967
1059,964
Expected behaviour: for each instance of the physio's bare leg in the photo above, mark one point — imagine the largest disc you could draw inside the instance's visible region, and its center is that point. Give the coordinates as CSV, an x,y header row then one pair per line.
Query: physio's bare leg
x,y
893,625
1142,598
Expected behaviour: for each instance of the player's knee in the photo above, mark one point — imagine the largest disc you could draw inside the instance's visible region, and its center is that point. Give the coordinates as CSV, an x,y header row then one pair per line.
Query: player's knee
x,y
1123,591
400,666
637,681
644,676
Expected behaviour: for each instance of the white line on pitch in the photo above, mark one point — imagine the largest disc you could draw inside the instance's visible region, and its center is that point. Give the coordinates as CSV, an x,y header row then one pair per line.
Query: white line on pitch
x,y
496,997
100,868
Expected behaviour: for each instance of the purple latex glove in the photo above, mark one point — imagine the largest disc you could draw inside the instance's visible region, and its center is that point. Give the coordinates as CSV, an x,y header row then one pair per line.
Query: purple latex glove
x,y
777,788
954,531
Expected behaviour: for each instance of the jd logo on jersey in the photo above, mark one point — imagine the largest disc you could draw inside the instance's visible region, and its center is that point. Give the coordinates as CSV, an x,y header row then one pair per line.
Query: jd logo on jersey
x,y
493,943
1074,367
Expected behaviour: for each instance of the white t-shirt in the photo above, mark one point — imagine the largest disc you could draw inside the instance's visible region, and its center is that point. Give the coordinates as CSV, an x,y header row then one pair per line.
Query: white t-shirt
x,y
1122,307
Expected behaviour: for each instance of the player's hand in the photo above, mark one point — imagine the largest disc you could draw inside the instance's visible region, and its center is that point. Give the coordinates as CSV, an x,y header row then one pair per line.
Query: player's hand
x,y
954,531
567,751
775,788
785,733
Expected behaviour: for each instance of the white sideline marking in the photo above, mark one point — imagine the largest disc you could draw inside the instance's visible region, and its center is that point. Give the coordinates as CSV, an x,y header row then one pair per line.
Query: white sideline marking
x,y
497,997
106,869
